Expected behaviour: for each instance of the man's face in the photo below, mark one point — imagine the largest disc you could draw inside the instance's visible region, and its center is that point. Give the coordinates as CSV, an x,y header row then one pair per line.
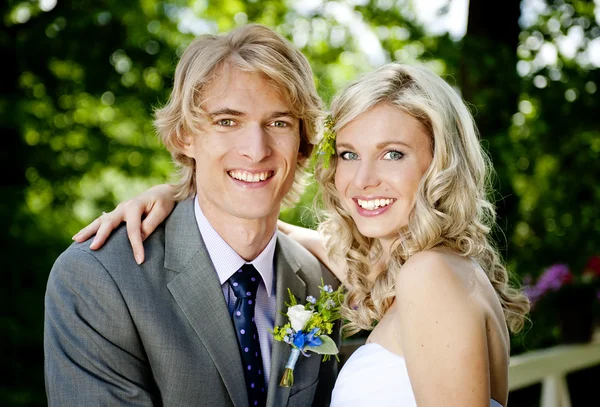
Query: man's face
x,y
246,153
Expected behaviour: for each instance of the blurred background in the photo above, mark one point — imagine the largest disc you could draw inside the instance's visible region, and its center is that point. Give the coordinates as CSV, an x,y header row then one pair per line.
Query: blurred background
x,y
81,79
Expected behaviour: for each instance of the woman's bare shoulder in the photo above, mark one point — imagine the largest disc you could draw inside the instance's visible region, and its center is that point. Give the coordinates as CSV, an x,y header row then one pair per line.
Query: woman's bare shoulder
x,y
439,276
430,267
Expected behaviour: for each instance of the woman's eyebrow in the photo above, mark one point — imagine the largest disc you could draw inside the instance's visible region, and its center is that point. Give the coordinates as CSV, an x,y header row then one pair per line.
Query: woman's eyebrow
x,y
344,145
385,144
379,146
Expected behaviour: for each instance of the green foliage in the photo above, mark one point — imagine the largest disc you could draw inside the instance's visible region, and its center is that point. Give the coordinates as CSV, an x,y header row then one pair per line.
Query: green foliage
x,y
326,148
326,309
279,332
556,144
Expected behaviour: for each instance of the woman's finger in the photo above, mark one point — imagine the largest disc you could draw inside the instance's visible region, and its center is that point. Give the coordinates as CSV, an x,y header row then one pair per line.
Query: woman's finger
x,y
134,233
155,217
88,231
109,222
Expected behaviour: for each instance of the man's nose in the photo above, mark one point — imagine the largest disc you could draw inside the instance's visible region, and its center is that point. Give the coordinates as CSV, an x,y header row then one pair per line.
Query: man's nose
x,y
256,144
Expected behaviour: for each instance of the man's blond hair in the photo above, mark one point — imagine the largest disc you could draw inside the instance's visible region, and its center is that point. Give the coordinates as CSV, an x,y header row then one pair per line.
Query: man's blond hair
x,y
250,48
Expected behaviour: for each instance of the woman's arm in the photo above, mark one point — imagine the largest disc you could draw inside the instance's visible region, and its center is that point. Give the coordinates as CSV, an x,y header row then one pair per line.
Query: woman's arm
x,y
442,333
156,203
311,240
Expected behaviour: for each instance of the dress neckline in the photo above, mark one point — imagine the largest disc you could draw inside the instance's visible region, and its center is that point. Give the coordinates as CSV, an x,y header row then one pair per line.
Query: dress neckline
x,y
497,404
384,349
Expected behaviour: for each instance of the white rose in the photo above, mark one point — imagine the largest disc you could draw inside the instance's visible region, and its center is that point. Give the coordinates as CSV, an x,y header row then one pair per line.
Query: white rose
x,y
298,316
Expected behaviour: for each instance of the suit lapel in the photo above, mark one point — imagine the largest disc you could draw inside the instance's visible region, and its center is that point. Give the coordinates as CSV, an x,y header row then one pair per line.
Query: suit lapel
x,y
286,268
198,293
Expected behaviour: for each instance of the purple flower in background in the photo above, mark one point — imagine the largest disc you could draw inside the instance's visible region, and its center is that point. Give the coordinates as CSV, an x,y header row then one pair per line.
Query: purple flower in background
x,y
559,277
552,279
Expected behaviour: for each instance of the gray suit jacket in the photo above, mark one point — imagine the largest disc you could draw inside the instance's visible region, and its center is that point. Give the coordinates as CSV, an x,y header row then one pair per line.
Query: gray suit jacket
x,y
160,334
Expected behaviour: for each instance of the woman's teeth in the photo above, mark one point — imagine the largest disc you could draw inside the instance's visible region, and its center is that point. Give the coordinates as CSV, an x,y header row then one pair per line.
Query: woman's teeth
x,y
374,203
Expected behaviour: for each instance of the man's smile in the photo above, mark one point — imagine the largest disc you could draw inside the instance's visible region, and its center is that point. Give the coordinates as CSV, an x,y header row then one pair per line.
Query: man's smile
x,y
250,176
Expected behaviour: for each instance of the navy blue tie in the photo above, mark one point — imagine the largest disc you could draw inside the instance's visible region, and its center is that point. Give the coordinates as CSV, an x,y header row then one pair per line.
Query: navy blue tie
x,y
244,284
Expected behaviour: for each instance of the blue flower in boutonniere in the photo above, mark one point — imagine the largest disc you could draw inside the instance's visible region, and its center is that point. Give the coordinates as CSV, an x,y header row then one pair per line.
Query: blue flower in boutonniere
x,y
308,328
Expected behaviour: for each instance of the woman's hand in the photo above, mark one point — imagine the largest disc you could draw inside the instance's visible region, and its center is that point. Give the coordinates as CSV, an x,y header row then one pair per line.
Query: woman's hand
x,y
156,203
311,240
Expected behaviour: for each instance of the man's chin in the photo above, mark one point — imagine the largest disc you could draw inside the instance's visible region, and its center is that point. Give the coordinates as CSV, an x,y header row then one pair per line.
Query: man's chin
x,y
252,211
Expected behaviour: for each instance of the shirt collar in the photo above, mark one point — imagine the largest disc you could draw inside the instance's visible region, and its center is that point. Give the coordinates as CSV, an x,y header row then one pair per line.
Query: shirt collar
x,y
226,260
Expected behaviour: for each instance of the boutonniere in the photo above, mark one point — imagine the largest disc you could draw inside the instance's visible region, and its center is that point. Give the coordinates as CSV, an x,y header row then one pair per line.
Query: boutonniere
x,y
308,328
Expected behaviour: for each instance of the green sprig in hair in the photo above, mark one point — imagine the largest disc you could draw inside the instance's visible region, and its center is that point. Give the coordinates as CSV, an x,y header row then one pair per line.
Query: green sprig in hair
x,y
326,147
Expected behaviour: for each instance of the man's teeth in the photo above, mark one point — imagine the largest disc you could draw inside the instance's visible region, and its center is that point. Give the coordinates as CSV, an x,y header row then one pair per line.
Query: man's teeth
x,y
374,203
251,176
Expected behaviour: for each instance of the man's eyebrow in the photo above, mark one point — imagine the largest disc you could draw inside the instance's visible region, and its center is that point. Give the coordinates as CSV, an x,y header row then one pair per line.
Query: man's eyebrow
x,y
284,113
226,111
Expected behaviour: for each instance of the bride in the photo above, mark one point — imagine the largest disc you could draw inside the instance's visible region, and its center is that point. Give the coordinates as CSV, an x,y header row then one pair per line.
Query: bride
x,y
406,226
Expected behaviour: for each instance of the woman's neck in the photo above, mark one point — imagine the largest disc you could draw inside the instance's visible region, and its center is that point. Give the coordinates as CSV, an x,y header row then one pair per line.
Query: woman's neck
x,y
379,264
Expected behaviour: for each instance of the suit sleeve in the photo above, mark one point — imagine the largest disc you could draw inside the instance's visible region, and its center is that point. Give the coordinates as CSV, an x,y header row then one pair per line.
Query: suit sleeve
x,y
92,352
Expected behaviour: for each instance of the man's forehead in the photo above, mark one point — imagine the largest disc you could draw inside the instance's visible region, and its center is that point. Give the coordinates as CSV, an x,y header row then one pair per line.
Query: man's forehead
x,y
239,90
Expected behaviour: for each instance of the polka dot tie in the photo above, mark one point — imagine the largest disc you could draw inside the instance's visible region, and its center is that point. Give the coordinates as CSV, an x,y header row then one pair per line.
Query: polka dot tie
x,y
244,284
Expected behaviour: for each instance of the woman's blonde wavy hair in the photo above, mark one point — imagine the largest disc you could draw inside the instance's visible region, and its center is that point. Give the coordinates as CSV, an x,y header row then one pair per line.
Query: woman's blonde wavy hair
x,y
452,209
250,48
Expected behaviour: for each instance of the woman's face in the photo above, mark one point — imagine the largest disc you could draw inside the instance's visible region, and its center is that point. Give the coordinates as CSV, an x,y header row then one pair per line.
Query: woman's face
x,y
381,158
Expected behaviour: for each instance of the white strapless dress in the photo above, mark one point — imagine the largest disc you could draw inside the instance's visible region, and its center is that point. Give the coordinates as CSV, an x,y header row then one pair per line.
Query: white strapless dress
x,y
374,376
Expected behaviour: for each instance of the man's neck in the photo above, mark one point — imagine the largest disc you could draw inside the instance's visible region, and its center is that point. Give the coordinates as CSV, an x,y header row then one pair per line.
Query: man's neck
x,y
248,237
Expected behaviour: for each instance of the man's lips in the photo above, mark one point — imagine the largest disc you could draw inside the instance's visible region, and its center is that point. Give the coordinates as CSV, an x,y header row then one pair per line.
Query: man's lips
x,y
251,176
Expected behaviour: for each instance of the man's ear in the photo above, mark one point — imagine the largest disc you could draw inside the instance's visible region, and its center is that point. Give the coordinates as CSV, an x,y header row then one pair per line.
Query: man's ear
x,y
186,144
301,158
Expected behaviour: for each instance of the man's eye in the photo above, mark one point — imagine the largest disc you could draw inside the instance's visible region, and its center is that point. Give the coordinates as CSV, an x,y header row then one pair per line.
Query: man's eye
x,y
393,155
280,123
348,155
226,122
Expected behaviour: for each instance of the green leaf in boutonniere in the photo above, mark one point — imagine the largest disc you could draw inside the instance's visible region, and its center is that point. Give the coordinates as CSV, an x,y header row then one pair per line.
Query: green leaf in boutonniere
x,y
327,347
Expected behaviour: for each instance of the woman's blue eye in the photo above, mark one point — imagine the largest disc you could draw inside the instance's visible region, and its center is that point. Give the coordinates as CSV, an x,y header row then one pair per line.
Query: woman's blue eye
x,y
393,155
348,155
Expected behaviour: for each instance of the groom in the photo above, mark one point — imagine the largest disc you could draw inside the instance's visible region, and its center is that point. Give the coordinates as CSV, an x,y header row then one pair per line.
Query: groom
x,y
240,124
